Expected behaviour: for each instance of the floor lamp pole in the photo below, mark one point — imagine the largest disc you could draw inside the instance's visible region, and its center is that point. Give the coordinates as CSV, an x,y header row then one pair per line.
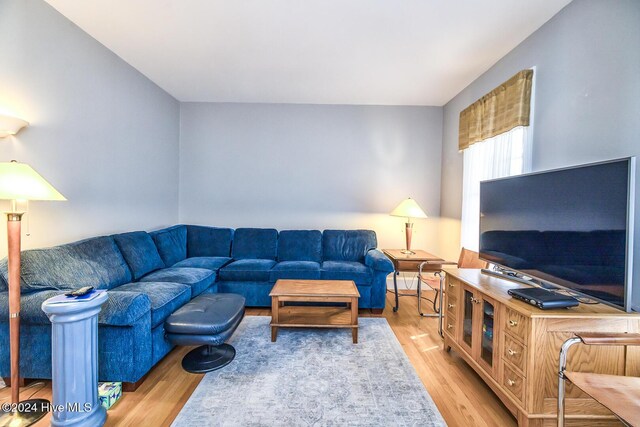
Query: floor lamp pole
x,y
13,237
27,412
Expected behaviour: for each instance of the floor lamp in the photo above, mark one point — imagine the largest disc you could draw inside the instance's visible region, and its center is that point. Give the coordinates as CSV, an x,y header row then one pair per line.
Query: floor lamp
x,y
19,182
408,208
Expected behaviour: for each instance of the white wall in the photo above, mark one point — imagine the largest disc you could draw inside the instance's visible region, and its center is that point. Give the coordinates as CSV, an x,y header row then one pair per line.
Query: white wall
x,y
587,99
310,166
102,133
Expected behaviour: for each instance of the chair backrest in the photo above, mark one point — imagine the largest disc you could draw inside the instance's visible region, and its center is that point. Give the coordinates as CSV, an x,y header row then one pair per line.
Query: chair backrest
x,y
470,259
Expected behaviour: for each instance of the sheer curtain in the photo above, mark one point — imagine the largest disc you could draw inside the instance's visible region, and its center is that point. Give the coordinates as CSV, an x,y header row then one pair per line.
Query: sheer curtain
x,y
503,155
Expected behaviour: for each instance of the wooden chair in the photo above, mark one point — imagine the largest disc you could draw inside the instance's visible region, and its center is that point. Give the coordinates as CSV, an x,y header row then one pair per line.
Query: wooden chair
x,y
620,394
467,259
470,259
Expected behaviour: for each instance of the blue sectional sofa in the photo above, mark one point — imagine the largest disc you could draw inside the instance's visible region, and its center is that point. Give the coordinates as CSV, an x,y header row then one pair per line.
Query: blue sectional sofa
x,y
150,275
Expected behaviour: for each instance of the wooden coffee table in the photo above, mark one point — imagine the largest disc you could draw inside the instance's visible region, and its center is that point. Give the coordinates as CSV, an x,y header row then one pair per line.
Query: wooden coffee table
x,y
311,291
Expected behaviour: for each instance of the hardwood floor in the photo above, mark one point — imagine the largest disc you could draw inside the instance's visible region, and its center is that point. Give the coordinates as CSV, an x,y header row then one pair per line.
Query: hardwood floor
x,y
461,396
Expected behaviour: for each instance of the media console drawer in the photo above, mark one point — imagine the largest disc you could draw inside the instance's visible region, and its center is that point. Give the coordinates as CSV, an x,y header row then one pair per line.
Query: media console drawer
x,y
514,383
452,304
516,324
516,353
450,326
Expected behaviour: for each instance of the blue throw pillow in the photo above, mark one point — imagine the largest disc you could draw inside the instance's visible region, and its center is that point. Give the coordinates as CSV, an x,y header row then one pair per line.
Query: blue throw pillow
x,y
140,252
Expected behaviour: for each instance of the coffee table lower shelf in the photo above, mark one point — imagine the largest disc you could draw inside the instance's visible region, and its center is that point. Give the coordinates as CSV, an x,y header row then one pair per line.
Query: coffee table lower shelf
x,y
315,317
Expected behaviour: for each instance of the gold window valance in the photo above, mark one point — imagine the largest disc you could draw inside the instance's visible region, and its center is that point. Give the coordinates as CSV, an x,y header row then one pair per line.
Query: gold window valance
x,y
502,109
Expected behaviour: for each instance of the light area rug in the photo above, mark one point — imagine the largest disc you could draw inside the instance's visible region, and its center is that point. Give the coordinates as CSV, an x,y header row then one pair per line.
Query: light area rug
x,y
312,377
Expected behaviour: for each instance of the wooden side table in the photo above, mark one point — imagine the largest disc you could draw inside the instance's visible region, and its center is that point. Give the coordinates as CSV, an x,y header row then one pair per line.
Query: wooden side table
x,y
419,262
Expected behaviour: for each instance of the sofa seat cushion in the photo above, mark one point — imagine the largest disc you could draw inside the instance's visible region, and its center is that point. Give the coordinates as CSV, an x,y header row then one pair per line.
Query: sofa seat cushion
x,y
140,252
346,270
124,308
165,297
295,270
198,279
604,276
256,270
209,262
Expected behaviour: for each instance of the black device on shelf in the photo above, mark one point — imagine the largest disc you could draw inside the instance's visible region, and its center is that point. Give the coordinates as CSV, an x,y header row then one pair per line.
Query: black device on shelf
x,y
80,292
543,299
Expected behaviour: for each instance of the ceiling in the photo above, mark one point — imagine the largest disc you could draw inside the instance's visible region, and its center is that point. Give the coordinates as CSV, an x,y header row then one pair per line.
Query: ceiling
x,y
380,52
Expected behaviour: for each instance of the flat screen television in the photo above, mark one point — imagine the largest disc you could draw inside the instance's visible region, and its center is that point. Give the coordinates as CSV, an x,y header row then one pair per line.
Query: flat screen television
x,y
570,227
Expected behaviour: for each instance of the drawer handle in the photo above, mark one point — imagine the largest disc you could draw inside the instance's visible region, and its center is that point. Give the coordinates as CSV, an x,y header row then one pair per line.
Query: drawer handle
x,y
451,285
513,323
450,305
511,382
449,326
512,352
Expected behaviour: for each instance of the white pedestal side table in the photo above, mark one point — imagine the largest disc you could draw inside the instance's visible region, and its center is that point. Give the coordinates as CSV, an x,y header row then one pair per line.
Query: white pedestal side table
x,y
74,351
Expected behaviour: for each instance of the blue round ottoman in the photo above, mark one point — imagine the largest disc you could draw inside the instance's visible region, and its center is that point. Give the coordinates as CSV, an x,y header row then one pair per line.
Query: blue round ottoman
x,y
208,320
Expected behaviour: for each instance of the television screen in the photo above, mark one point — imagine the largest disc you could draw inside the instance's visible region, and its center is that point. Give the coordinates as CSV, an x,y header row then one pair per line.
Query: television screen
x,y
571,227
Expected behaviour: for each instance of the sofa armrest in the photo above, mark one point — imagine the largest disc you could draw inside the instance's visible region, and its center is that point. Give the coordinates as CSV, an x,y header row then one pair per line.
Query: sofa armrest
x,y
30,307
378,261
124,308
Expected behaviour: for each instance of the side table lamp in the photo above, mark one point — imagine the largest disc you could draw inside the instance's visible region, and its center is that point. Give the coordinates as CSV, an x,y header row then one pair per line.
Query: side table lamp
x,y
408,208
18,182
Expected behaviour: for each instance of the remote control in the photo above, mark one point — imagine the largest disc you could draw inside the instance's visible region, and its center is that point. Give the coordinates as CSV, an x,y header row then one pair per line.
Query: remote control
x,y
80,292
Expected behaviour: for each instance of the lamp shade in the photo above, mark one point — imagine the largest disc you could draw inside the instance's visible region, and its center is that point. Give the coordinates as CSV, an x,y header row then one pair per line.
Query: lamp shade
x,y
408,208
18,181
11,125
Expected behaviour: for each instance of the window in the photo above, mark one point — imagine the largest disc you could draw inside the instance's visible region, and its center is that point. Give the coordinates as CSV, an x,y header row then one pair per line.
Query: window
x,y
502,155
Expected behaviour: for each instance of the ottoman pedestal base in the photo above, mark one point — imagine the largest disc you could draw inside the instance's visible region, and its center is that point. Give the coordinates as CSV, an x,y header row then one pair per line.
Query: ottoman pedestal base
x,y
208,358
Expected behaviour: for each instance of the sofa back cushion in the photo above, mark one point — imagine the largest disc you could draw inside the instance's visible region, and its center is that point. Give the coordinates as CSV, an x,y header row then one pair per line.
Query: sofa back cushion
x,y
139,252
528,245
612,246
585,248
93,262
347,245
208,241
258,243
171,243
300,245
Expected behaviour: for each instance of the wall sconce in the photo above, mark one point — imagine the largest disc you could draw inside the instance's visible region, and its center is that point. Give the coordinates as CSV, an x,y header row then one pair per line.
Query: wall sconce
x,y
11,125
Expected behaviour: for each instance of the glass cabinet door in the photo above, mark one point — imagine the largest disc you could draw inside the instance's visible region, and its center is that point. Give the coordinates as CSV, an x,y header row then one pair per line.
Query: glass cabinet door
x,y
486,349
467,320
